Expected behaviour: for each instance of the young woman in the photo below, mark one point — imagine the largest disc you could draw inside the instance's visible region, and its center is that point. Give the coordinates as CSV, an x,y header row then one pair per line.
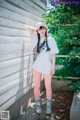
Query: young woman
x,y
44,64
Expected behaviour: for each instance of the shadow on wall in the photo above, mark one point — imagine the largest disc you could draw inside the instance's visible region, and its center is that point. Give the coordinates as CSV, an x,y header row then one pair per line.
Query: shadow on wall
x,y
24,82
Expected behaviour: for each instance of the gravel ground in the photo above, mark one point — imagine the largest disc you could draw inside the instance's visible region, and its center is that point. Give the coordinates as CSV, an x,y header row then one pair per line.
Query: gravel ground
x,y
61,104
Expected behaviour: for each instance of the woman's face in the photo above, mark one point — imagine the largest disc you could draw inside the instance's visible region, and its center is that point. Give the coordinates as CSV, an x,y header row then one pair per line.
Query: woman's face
x,y
42,31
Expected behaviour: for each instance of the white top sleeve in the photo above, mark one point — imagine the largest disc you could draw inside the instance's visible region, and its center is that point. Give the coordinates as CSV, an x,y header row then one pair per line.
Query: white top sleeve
x,y
53,46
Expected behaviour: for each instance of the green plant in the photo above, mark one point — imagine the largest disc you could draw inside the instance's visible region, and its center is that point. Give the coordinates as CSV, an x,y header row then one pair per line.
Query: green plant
x,y
74,85
64,25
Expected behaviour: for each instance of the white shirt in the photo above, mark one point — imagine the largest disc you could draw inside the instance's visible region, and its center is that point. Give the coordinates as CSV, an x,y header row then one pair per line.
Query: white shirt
x,y
43,61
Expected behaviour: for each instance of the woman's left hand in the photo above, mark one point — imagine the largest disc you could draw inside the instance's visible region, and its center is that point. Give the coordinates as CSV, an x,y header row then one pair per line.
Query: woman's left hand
x,y
52,71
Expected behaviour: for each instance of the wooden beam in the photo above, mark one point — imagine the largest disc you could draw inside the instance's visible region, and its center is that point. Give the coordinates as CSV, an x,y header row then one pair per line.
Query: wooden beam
x,y
56,77
64,56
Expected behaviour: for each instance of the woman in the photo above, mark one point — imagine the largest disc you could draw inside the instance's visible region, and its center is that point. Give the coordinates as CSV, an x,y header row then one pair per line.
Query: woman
x,y
44,64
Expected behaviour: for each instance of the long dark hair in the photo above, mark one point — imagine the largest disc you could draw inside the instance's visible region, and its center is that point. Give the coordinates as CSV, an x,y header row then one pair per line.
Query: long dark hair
x,y
42,44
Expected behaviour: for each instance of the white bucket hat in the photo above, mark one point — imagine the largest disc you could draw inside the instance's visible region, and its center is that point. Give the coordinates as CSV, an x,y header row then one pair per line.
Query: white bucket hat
x,y
40,24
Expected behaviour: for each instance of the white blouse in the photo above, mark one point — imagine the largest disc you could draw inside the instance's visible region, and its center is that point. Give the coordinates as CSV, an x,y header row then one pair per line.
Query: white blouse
x,y
43,61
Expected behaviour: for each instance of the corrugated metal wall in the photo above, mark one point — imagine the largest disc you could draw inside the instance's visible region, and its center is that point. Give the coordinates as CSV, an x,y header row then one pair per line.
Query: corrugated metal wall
x,y
16,54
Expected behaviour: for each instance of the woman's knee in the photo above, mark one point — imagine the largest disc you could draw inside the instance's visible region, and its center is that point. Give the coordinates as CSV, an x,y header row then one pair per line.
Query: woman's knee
x,y
48,83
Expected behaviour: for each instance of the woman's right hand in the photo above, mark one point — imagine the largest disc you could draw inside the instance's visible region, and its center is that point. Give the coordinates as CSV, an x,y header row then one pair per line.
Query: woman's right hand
x,y
33,29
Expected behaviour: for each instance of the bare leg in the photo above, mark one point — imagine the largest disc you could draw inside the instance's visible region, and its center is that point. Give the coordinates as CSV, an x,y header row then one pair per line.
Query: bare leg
x,y
47,78
37,78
